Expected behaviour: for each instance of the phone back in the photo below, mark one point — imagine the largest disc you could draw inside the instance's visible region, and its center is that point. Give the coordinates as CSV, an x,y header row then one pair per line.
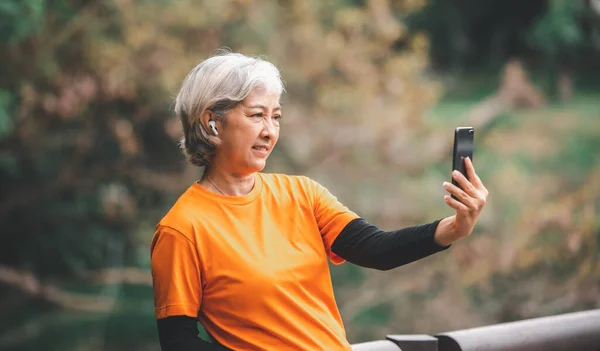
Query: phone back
x,y
463,148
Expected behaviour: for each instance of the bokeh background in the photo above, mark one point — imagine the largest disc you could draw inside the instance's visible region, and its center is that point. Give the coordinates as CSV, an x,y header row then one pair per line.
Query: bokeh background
x,y
89,161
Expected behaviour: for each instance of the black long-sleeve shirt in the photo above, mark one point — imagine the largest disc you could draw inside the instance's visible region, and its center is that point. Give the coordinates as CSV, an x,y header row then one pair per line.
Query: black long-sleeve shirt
x,y
359,242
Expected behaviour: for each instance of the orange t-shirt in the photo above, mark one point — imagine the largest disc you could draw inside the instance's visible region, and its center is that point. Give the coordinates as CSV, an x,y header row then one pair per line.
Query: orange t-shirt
x,y
253,269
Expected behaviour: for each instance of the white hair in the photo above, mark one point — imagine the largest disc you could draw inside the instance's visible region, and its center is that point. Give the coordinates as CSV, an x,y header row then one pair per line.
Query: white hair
x,y
219,84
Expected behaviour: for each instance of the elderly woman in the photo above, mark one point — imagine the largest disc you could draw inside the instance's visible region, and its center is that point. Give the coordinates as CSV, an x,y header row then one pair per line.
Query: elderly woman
x,y
244,252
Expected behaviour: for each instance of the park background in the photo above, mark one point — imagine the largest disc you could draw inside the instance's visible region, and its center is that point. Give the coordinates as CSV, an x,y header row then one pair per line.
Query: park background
x,y
89,161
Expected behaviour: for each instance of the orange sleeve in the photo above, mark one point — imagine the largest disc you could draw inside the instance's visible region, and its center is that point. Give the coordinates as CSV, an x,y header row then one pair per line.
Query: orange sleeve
x,y
332,217
175,274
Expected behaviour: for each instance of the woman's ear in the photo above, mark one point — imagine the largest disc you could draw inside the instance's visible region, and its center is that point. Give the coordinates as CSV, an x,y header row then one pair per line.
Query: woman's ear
x,y
206,117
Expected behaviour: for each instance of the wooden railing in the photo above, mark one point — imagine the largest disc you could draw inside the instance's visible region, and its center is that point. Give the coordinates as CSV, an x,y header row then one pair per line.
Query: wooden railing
x,y
578,331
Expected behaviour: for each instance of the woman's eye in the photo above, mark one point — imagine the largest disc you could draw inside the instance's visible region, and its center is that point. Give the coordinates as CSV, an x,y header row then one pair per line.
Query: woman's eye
x,y
259,115
277,117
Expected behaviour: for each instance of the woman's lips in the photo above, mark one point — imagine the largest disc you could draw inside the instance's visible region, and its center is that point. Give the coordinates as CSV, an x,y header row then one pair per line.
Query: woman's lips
x,y
261,150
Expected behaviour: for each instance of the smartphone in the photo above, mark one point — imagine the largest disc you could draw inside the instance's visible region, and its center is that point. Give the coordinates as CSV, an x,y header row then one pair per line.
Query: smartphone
x,y
463,148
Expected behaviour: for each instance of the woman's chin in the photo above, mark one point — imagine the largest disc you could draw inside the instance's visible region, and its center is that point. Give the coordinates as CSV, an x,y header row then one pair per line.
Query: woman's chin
x,y
261,166
256,165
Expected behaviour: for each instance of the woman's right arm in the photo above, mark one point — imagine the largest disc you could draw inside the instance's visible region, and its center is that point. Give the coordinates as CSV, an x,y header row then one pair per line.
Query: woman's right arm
x,y
180,333
177,284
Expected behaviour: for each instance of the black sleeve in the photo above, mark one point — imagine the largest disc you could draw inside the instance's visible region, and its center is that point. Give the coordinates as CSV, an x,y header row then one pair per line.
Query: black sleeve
x,y
180,333
366,245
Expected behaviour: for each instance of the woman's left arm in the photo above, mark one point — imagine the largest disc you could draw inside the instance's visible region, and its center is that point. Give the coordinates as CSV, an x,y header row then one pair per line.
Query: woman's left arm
x,y
366,245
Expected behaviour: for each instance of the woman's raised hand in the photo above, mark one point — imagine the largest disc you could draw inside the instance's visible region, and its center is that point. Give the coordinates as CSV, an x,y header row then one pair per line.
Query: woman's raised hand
x,y
469,201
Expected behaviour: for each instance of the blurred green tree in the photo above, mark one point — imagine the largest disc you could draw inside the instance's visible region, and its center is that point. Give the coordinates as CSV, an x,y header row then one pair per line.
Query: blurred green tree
x,y
560,35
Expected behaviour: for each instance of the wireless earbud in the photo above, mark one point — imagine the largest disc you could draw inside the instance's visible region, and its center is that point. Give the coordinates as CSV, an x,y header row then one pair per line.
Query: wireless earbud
x,y
213,127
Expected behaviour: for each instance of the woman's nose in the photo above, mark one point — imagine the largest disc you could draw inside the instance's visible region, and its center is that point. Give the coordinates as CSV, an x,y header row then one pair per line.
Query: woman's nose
x,y
269,128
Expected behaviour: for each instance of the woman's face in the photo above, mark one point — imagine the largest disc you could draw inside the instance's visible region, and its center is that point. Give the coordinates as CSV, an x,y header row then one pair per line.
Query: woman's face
x,y
249,133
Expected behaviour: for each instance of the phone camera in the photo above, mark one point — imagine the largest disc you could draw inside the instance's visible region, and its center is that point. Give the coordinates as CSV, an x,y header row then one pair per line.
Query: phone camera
x,y
471,131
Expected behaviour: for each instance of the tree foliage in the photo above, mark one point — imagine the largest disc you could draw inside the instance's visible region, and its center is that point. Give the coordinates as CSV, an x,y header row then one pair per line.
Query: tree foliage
x,y
469,34
559,29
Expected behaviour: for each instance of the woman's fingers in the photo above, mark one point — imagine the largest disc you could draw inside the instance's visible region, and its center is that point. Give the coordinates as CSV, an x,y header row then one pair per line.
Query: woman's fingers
x,y
464,198
464,183
455,204
472,197
470,169
473,177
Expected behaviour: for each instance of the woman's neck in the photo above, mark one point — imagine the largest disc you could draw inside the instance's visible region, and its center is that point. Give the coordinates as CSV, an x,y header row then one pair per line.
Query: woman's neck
x,y
225,183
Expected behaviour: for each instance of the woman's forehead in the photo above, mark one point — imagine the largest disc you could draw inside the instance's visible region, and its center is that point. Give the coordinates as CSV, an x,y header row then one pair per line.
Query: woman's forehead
x,y
263,98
